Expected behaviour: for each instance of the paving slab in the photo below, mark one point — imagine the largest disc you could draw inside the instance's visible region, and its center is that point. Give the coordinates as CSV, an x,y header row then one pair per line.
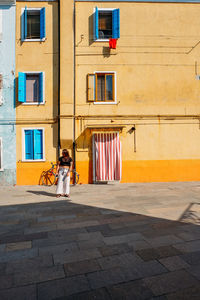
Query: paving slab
x,y
75,256
109,250
170,282
188,246
195,271
136,290
174,263
158,252
81,267
126,241
192,293
19,293
28,264
122,260
192,258
63,287
40,275
18,246
98,294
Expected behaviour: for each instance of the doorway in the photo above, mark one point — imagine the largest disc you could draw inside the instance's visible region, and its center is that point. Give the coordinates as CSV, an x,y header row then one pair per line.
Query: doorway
x,y
106,157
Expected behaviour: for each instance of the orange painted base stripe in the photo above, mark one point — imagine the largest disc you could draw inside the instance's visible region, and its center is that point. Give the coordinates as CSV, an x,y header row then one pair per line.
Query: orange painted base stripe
x,y
30,173
132,171
149,171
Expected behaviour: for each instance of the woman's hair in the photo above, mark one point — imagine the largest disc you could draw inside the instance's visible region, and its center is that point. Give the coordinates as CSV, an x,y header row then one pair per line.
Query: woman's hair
x,y
65,152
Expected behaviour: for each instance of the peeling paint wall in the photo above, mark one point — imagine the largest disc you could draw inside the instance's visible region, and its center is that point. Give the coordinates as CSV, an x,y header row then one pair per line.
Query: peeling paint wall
x,y
7,107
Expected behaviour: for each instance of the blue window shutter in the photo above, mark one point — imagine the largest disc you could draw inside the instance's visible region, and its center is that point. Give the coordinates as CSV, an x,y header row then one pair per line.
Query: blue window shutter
x,y
115,24
41,87
24,24
38,144
29,144
42,23
96,24
21,87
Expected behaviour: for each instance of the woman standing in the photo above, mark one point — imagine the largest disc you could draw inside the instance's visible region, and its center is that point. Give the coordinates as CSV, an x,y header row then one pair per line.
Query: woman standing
x,y
64,167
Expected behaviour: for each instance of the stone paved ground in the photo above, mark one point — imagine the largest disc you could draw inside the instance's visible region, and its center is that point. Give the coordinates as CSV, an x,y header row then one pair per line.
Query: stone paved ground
x,y
127,241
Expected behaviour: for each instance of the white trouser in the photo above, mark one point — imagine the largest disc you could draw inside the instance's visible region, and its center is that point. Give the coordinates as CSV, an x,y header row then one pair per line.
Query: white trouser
x,y
63,185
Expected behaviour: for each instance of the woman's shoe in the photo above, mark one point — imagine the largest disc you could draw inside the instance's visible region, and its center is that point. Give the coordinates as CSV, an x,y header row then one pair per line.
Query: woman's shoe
x,y
58,195
67,195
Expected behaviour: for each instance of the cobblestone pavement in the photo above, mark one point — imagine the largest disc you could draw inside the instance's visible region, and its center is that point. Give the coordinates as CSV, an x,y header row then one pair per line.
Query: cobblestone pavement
x,y
122,241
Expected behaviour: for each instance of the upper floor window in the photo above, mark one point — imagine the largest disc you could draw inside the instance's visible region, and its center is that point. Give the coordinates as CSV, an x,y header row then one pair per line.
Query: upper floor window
x,y
31,87
33,24
1,151
0,25
106,24
1,88
101,87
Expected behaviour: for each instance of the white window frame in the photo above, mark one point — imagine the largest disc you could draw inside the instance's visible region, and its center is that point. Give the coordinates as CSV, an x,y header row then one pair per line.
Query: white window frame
x,y
36,103
115,89
32,40
23,144
1,25
103,9
1,92
1,151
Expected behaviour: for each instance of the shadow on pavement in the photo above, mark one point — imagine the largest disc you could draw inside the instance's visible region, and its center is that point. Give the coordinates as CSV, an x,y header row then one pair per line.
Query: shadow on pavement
x,y
63,250
43,193
191,214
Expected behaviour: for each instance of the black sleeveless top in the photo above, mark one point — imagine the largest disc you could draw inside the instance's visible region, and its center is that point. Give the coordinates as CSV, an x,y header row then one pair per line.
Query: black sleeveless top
x,y
65,161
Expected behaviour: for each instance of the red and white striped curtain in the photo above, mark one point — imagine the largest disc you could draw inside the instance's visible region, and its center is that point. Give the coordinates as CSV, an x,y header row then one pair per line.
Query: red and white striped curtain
x,y
107,156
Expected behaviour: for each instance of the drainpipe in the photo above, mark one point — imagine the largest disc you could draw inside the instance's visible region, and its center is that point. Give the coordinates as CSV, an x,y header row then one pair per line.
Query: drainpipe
x,y
74,102
58,78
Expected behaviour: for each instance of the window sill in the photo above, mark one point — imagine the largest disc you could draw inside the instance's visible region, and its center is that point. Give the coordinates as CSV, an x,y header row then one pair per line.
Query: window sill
x,y
101,40
33,103
34,40
114,102
33,160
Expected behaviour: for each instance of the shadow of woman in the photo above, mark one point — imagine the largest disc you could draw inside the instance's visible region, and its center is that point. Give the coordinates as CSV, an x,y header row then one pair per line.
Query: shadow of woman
x,y
43,193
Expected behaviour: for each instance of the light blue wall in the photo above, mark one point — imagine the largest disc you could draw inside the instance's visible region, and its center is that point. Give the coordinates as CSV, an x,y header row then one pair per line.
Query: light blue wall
x,y
7,109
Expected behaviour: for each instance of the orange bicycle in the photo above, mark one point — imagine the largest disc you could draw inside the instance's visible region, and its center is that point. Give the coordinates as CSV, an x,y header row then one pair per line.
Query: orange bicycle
x,y
49,177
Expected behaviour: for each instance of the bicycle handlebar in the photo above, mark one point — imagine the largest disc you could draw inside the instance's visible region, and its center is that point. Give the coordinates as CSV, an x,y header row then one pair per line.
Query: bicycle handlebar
x,y
53,165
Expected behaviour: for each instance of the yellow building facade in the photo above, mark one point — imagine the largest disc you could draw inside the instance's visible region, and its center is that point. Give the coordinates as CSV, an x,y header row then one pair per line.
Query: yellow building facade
x,y
140,100
155,90
36,88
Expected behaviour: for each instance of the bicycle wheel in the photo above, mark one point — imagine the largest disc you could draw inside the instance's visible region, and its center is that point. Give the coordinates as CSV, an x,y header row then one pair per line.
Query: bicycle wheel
x,y
76,177
48,178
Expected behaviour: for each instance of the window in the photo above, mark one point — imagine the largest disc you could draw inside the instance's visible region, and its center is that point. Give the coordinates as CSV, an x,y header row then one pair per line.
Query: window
x,y
1,25
1,151
101,87
106,24
31,87
1,88
33,24
33,144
